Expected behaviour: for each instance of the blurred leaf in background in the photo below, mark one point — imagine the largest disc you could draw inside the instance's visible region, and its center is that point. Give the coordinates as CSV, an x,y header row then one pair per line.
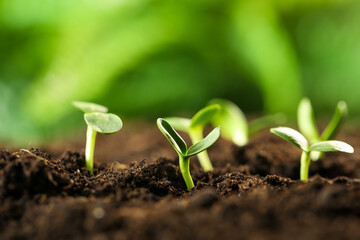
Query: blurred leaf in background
x,y
147,58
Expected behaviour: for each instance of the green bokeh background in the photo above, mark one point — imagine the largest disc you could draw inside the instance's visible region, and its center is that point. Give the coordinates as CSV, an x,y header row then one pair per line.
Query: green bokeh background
x,y
155,58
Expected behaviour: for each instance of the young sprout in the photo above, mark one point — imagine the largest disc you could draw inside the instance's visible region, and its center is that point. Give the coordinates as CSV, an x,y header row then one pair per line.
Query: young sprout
x,y
300,141
234,125
97,120
183,151
307,125
195,127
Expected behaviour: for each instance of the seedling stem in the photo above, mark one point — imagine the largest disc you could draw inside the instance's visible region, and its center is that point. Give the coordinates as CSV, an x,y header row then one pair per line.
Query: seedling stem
x,y
304,165
90,148
204,159
184,163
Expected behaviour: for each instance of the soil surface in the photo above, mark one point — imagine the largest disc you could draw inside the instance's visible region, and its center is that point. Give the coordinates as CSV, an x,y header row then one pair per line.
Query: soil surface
x,y
137,191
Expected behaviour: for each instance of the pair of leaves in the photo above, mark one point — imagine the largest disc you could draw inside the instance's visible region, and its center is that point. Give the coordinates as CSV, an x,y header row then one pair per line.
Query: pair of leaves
x,y
300,141
179,144
234,125
197,122
97,118
307,124
224,113
232,120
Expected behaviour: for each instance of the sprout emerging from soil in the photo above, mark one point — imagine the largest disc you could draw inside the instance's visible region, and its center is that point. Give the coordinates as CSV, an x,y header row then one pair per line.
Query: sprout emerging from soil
x,y
307,125
234,125
195,128
300,141
97,120
183,151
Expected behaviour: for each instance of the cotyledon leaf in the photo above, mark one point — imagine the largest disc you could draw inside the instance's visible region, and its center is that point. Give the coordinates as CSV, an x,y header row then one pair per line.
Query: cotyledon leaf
x,y
204,116
105,123
232,121
331,146
292,136
306,120
205,143
174,138
89,107
181,124
338,117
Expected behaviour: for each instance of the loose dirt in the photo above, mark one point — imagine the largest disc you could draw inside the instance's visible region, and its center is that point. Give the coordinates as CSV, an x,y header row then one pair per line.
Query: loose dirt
x,y
137,192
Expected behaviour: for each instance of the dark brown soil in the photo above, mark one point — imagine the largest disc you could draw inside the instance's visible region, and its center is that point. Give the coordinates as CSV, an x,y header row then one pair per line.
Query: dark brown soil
x,y
137,192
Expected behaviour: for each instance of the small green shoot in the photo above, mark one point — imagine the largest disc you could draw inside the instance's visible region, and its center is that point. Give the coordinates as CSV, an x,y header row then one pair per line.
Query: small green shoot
x,y
301,142
183,151
307,124
195,128
234,125
98,121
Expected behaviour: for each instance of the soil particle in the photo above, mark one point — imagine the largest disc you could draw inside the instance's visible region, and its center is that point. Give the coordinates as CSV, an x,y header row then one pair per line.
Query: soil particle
x,y
253,193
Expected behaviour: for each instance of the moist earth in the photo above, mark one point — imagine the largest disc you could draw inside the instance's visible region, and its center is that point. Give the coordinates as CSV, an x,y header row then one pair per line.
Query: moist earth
x,y
137,192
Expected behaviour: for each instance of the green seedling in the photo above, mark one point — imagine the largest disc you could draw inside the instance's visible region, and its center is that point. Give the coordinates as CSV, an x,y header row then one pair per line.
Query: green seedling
x,y
301,142
195,128
98,121
183,151
307,124
234,125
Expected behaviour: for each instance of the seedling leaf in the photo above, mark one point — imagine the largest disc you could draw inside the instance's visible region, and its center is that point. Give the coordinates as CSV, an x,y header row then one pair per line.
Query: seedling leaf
x,y
204,116
88,107
181,124
205,143
174,138
306,120
232,121
105,123
333,126
331,146
292,136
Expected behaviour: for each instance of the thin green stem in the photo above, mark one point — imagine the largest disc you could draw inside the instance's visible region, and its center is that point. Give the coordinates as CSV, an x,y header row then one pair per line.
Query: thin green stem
x,y
304,166
184,163
89,149
204,159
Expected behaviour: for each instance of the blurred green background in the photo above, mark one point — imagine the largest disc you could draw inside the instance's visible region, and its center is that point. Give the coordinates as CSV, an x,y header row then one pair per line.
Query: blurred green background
x,y
152,58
